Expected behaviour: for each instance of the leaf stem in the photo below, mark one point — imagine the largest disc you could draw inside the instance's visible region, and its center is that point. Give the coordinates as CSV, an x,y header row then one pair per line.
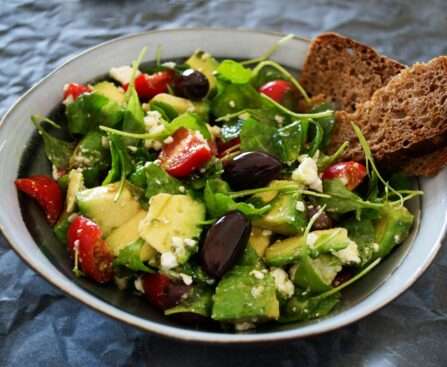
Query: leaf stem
x,y
269,52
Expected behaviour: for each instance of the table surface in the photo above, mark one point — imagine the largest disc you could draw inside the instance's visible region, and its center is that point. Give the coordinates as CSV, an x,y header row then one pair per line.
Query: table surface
x,y
39,326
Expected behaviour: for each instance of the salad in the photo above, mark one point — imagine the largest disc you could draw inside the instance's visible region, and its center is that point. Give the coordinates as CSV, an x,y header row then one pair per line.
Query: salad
x,y
204,186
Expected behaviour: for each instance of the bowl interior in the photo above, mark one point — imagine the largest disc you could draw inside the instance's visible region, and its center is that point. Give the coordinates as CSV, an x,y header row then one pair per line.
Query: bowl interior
x,y
21,153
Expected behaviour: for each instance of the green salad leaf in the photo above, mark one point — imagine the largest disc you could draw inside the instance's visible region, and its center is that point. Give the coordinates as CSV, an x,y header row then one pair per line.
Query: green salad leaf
x,y
129,257
233,72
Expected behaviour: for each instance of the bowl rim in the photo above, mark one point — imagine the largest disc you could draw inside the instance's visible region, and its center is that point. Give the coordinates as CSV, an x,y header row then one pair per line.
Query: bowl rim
x,y
178,333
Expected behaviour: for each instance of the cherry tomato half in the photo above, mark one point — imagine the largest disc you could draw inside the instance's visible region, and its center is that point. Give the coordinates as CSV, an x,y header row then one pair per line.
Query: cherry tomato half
x,y
75,90
162,292
350,173
277,89
95,259
148,86
46,192
188,152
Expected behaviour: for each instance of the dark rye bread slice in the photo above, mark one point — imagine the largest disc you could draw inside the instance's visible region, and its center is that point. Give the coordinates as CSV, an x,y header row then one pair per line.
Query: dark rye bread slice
x,y
346,71
405,118
427,164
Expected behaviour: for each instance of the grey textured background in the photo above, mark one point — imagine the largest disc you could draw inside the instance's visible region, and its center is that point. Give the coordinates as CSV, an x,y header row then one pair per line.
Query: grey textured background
x,y
41,327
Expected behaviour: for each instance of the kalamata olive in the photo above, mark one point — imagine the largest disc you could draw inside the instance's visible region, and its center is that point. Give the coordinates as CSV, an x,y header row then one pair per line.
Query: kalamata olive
x,y
224,243
162,292
323,221
250,170
191,84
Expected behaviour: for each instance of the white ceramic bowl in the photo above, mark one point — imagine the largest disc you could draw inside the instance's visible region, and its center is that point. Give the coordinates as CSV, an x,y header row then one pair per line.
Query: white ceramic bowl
x,y
386,282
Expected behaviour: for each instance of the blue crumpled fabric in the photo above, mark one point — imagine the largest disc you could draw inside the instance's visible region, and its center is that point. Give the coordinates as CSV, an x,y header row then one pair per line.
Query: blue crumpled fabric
x,y
39,326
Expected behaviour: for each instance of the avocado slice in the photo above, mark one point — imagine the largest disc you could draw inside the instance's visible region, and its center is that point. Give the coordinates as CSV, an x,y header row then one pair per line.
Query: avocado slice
x,y
99,204
174,106
111,91
121,236
259,240
206,64
75,184
172,217
316,275
291,249
199,302
284,217
241,296
392,228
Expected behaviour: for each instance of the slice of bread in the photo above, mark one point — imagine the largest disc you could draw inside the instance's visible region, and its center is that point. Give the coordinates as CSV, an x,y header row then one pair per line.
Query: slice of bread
x,y
405,118
346,71
427,164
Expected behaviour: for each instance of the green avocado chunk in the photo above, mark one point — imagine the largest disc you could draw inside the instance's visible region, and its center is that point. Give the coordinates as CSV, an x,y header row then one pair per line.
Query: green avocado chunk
x,y
392,228
285,217
174,106
291,249
243,296
111,91
199,302
99,204
206,64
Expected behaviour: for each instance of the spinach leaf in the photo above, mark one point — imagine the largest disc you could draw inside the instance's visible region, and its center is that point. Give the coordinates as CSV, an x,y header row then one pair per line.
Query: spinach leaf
x,y
232,98
91,110
158,181
257,136
326,123
218,202
342,200
122,164
133,120
290,137
233,72
129,257
57,150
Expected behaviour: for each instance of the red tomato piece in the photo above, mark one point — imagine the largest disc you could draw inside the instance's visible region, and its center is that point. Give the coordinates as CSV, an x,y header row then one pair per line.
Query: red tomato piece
x,y
46,192
95,259
75,90
188,152
148,86
350,173
162,292
277,89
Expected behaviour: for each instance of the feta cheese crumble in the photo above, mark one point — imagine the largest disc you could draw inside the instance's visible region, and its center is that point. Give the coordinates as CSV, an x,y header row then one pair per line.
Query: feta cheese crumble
x,y
349,255
187,279
307,174
139,285
257,274
122,74
168,260
311,239
232,104
300,206
282,282
257,291
244,326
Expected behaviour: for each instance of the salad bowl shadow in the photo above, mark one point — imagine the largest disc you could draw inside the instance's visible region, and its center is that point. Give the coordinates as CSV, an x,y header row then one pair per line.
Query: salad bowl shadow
x,y
25,228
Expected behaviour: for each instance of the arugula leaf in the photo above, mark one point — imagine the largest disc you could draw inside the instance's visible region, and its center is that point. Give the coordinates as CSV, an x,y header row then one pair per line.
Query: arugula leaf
x,y
342,200
233,72
129,257
324,161
57,150
91,110
232,98
158,181
219,202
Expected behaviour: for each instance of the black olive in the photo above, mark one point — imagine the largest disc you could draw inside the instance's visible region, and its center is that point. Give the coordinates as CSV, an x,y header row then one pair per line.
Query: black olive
x,y
323,221
191,84
224,243
250,170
